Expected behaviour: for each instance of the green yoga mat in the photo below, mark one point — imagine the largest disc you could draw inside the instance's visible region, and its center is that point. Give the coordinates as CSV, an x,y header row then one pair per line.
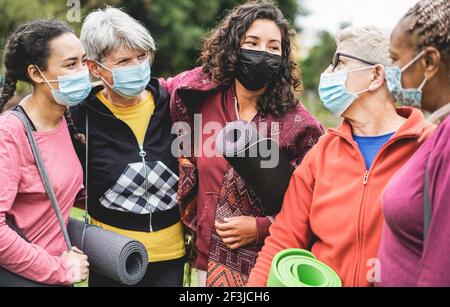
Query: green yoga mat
x,y
300,268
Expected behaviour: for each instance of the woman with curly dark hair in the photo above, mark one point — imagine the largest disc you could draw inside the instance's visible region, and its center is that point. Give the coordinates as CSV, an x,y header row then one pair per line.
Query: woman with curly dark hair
x,y
249,74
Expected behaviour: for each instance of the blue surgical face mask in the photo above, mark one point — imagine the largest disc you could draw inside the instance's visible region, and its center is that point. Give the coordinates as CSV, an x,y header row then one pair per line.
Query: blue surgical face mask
x,y
408,97
73,88
334,94
129,82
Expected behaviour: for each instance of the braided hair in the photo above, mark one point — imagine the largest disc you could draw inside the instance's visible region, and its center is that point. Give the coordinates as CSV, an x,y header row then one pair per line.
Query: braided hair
x,y
431,22
29,45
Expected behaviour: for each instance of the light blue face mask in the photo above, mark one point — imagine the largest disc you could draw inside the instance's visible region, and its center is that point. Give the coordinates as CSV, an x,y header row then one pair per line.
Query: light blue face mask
x,y
129,82
334,94
73,88
407,97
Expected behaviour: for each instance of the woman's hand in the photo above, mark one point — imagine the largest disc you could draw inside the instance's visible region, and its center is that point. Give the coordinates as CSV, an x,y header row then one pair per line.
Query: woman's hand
x,y
238,231
78,265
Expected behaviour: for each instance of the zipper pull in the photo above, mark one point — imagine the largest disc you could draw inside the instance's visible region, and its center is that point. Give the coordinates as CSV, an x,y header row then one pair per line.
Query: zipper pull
x,y
142,153
366,178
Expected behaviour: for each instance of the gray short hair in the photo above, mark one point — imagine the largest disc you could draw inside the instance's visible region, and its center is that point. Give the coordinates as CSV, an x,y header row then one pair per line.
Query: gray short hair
x,y
108,29
369,43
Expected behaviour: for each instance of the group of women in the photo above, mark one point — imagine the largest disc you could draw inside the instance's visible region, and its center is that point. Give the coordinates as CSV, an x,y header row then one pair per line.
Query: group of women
x,y
367,198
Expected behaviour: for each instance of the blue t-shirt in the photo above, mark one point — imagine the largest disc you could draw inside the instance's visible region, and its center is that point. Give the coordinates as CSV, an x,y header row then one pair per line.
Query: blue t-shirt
x,y
371,145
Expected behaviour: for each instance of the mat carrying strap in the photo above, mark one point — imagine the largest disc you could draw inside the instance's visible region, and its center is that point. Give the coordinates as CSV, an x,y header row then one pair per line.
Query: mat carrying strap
x,y
43,173
427,210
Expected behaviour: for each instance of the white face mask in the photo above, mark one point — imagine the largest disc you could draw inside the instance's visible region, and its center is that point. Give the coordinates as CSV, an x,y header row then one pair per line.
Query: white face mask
x,y
334,93
130,81
73,88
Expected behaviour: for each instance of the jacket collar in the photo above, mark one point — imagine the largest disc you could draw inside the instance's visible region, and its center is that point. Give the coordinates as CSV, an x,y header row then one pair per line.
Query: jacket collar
x,y
93,103
414,127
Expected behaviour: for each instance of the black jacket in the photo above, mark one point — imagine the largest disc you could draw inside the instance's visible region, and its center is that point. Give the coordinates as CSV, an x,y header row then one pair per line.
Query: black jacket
x,y
118,194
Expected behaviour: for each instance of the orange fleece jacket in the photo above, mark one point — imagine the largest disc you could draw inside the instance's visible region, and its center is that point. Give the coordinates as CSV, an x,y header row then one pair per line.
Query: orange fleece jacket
x,y
335,200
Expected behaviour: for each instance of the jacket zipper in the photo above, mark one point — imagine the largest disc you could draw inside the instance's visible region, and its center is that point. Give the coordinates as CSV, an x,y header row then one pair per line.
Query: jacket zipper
x,y
363,203
142,154
360,229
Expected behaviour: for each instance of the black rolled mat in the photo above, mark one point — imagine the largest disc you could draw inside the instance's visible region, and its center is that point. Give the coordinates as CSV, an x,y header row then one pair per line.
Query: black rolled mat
x,y
110,254
259,161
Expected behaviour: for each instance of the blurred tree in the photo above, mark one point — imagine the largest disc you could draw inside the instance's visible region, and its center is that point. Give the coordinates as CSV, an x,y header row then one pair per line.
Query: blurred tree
x,y
318,59
16,12
179,26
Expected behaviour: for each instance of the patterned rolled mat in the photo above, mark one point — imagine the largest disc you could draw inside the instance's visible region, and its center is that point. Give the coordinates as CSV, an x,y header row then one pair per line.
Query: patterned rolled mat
x,y
110,254
300,268
258,160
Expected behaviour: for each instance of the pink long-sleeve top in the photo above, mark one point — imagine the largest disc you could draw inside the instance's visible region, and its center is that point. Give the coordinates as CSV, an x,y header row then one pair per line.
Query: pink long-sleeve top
x,y
23,200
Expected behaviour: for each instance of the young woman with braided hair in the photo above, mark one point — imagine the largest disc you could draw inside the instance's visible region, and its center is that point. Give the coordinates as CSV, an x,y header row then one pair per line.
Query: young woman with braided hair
x,y
415,246
48,56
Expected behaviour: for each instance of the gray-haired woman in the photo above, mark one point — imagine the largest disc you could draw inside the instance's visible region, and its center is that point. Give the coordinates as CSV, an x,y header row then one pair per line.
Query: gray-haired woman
x,y
132,175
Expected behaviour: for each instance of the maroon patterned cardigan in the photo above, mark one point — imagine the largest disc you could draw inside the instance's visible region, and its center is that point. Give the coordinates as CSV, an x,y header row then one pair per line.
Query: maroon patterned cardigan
x,y
299,132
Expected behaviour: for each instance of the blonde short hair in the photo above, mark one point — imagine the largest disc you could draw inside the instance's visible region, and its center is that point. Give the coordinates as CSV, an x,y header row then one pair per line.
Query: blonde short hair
x,y
369,43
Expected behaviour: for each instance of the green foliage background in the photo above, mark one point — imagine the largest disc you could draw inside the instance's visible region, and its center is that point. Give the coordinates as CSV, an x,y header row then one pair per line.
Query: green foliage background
x,y
178,27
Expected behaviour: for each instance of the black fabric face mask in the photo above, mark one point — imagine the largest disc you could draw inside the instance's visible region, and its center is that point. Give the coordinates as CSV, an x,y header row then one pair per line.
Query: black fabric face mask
x,y
256,69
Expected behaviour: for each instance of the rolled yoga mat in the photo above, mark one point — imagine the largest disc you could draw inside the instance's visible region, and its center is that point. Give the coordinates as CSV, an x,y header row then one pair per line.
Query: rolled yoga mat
x,y
110,254
300,268
248,153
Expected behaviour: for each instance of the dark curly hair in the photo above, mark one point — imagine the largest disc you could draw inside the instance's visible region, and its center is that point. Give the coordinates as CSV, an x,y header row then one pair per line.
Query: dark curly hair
x,y
220,52
29,45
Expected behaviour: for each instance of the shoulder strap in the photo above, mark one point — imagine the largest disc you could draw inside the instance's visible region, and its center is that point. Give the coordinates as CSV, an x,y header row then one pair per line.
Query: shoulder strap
x,y
43,173
427,211
86,175
86,183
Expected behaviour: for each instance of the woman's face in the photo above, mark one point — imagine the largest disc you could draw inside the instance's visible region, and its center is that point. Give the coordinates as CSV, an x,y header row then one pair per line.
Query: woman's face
x,y
429,67
263,35
122,57
67,57
402,51
357,81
